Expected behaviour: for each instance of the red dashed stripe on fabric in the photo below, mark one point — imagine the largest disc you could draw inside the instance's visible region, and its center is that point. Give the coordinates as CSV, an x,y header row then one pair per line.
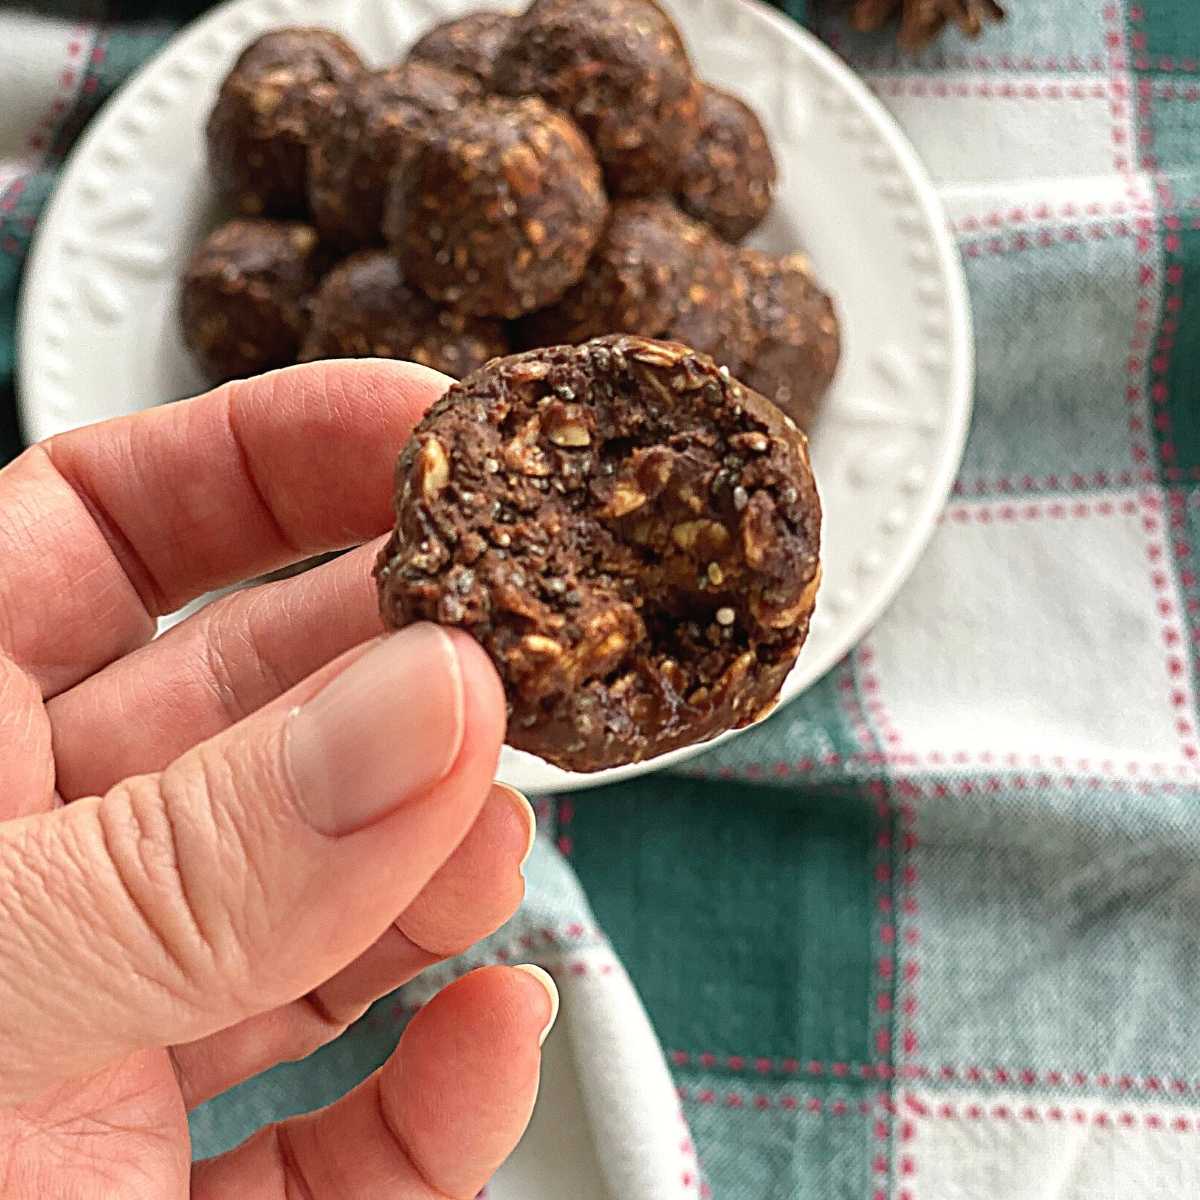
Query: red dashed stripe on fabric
x,y
963,1074
691,1178
78,49
566,815
1032,214
1096,773
1176,651
1141,228
1071,64
873,700
1049,510
1039,485
816,1106
927,89
851,704
1053,1114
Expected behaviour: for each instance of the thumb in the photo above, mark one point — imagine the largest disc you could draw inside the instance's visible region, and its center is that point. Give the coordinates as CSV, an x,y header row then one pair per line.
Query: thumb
x,y
250,870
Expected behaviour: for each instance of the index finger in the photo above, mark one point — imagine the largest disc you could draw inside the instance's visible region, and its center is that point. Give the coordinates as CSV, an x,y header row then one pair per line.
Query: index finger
x,y
128,520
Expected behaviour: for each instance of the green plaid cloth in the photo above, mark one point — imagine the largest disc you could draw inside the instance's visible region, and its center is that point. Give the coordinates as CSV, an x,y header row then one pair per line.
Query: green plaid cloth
x,y
933,931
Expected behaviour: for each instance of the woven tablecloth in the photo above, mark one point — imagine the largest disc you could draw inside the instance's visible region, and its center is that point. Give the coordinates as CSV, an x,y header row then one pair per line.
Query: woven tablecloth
x,y
932,931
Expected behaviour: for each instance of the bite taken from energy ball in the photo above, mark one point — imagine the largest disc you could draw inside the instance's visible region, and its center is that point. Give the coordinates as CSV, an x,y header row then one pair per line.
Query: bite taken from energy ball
x,y
631,534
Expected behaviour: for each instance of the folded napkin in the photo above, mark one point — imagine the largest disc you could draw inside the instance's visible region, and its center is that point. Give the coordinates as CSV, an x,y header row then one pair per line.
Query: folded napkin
x,y
930,932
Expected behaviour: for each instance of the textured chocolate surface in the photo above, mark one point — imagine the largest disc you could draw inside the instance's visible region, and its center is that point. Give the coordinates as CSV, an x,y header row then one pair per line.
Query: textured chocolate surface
x,y
795,339
244,301
631,534
468,44
728,178
633,283
619,67
280,92
498,211
364,308
658,273
384,116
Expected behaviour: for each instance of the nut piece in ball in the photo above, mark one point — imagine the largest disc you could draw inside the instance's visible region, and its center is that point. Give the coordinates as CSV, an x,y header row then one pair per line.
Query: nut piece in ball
x,y
384,116
630,534
728,178
497,212
280,91
244,303
468,44
619,67
796,341
364,309
655,272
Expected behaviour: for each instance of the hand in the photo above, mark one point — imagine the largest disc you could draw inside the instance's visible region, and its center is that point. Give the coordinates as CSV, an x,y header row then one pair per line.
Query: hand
x,y
273,817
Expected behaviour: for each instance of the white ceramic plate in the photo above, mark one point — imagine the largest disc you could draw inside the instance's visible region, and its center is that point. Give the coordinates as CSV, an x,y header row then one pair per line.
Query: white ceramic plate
x,y
99,336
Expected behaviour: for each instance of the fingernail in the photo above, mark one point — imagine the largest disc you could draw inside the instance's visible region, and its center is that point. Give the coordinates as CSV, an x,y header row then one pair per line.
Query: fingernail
x,y
525,809
381,733
548,984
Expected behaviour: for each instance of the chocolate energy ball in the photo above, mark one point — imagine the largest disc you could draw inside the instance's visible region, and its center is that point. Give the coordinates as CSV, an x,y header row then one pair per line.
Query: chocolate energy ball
x,y
385,115
497,212
364,308
469,44
633,283
796,342
244,303
728,178
713,316
282,88
658,273
619,67
631,534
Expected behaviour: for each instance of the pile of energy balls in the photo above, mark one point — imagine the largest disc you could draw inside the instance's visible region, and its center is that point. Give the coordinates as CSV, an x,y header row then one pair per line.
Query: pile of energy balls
x,y
518,181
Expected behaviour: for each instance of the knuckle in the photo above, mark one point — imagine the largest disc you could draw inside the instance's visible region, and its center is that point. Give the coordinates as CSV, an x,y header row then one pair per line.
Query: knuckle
x,y
162,895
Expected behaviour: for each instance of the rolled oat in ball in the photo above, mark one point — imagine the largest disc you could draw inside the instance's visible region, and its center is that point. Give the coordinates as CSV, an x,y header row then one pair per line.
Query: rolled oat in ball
x,y
619,67
364,309
631,535
281,90
468,44
244,302
728,178
654,272
796,342
385,114
498,211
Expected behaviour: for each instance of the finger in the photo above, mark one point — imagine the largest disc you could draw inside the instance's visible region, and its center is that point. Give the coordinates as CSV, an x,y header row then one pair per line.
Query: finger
x,y
208,672
253,868
434,1122
26,759
475,891
104,528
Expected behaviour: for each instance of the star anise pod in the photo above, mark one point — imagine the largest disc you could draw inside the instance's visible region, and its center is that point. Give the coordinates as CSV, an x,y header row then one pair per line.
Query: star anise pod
x,y
922,20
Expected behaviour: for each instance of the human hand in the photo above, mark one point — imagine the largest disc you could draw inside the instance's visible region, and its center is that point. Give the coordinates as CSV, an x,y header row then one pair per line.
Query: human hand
x,y
274,816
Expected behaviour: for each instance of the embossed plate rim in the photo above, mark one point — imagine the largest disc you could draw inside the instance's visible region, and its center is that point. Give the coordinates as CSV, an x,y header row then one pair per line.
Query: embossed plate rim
x,y
917,488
